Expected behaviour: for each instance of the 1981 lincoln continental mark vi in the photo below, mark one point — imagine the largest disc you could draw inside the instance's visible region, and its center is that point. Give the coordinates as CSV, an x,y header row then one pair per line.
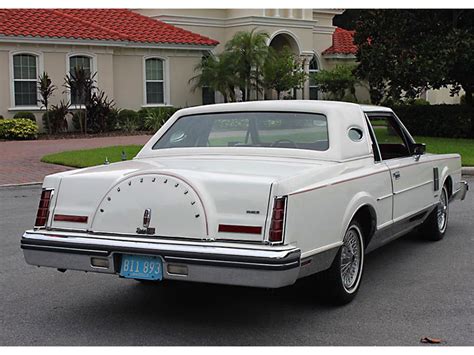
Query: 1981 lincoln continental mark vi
x,y
255,194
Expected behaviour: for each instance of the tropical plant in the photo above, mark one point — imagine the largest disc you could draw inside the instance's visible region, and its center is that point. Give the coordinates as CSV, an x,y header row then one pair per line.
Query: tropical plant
x,y
81,83
99,110
248,51
217,73
156,117
54,120
78,120
283,71
46,90
338,83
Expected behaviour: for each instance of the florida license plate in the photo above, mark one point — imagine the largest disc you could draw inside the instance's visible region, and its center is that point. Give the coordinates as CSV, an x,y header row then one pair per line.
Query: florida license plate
x,y
141,267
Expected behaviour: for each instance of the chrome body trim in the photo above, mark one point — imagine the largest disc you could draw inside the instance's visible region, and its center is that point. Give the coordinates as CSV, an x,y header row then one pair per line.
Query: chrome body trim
x,y
460,194
384,197
317,262
398,228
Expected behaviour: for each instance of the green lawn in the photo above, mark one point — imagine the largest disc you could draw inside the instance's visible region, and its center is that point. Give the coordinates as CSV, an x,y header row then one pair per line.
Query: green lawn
x,y
91,157
465,147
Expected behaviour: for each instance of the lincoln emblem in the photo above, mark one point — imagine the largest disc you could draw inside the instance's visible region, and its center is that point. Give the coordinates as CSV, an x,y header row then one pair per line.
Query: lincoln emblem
x,y
146,223
146,218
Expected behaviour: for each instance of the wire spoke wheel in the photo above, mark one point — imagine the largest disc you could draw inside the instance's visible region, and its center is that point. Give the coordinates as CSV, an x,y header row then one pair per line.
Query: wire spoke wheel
x,y
351,258
442,213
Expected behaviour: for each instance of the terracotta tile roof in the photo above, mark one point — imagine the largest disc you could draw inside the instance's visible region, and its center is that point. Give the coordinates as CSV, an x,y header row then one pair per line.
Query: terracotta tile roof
x,y
342,42
94,24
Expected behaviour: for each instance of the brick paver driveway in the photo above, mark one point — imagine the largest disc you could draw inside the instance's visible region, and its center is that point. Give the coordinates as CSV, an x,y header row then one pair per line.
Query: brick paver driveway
x,y
20,160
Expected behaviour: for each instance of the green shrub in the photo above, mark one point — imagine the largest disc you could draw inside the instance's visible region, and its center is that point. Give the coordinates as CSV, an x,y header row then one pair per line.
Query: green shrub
x,y
128,120
18,128
450,121
25,114
112,120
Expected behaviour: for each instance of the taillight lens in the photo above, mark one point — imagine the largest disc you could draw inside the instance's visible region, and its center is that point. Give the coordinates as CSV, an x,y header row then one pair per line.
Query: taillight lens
x,y
278,218
43,208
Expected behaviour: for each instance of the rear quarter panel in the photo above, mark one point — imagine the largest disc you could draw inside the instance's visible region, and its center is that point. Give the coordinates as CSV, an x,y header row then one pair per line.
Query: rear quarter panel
x,y
319,214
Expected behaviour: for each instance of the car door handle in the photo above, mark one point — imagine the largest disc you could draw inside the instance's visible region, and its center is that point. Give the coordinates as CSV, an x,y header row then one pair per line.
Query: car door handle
x,y
396,175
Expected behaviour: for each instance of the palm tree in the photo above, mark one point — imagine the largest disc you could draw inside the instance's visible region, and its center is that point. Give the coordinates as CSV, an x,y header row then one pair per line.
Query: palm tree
x,y
216,73
248,50
46,89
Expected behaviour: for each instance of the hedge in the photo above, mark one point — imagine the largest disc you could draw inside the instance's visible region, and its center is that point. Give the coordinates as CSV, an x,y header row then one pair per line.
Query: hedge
x,y
450,121
25,114
18,128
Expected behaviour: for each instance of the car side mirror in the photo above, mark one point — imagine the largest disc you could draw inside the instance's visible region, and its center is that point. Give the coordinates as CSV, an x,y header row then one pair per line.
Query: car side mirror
x,y
418,150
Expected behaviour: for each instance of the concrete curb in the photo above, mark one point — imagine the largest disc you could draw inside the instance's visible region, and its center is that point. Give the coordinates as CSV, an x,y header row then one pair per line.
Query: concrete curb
x,y
468,170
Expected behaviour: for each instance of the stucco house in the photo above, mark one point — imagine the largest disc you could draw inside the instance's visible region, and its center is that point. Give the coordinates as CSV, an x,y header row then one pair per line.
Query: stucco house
x,y
145,57
139,61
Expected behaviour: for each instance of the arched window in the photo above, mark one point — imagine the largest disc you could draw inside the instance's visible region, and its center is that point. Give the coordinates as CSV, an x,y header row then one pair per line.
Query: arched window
x,y
154,81
25,79
79,61
313,88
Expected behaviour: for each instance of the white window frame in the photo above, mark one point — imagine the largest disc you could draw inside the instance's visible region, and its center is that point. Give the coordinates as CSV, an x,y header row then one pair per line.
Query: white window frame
x,y
93,58
166,82
311,71
39,71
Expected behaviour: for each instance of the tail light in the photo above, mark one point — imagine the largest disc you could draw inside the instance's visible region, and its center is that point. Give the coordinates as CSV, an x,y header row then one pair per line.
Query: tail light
x,y
43,208
277,225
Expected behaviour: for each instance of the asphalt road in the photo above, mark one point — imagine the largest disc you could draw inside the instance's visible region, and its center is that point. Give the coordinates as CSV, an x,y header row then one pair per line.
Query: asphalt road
x,y
411,288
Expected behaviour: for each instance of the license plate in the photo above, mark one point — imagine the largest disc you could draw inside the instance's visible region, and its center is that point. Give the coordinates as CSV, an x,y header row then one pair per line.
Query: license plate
x,y
141,267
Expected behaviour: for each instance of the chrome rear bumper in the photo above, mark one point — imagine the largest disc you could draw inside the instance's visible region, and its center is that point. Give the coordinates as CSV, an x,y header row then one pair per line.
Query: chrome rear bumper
x,y
262,266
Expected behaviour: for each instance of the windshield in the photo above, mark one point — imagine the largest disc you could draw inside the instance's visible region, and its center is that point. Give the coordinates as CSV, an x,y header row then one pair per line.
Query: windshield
x,y
248,129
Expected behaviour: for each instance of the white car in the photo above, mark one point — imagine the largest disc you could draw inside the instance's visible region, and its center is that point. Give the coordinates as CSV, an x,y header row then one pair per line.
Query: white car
x,y
256,194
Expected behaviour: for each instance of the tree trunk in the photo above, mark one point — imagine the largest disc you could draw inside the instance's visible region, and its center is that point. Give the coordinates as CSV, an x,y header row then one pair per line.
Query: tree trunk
x,y
85,121
48,121
256,82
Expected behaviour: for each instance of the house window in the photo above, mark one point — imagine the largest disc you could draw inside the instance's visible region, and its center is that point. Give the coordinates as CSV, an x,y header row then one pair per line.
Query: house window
x,y
79,61
25,79
154,81
313,88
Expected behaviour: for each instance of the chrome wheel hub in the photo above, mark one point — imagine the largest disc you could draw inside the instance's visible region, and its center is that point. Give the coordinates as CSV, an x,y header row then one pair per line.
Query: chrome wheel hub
x,y
350,258
442,211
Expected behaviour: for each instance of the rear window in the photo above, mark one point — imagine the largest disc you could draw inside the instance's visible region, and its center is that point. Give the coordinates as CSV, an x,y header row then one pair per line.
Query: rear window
x,y
293,130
